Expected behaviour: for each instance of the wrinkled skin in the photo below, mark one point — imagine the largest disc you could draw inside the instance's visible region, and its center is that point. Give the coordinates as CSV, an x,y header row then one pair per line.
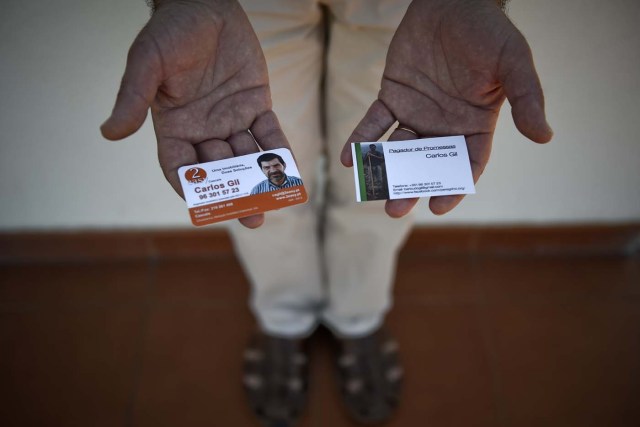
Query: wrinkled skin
x,y
449,68
200,67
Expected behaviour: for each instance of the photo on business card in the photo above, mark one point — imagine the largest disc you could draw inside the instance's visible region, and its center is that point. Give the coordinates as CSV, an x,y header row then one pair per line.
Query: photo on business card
x,y
273,167
375,172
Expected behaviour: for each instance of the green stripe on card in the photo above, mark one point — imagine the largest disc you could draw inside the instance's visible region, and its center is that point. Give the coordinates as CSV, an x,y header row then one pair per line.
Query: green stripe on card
x,y
361,180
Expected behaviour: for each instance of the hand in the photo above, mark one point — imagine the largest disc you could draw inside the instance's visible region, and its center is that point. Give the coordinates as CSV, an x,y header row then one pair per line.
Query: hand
x,y
199,66
449,67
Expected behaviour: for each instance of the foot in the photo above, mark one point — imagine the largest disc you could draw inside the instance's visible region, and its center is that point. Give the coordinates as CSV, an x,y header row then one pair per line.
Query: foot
x,y
275,379
370,376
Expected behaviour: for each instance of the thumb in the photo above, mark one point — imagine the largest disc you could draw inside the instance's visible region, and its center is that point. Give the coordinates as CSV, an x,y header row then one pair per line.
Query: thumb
x,y
375,123
522,88
140,82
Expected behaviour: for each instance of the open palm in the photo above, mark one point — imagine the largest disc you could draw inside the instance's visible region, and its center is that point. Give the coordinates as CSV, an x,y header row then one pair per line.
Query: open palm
x,y
449,68
200,68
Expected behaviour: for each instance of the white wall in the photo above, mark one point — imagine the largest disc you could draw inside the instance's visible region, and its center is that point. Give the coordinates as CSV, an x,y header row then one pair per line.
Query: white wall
x,y
60,65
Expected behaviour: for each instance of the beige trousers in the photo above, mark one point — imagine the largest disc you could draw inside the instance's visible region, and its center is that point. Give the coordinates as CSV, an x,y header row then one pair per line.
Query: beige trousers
x,y
331,260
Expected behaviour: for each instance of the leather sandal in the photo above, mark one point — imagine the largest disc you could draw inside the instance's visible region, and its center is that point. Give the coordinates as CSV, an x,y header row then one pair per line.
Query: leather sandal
x,y
276,379
370,377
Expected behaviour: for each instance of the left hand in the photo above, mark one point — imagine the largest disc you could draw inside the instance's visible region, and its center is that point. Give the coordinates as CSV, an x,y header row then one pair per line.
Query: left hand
x,y
450,65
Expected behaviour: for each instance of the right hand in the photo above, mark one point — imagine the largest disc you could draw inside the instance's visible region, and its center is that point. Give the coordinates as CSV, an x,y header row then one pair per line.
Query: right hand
x,y
199,66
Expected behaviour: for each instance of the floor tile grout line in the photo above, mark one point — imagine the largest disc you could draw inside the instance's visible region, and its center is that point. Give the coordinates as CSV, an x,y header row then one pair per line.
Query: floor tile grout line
x,y
136,371
488,342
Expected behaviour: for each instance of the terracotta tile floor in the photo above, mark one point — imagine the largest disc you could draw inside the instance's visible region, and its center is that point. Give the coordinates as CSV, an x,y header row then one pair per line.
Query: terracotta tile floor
x,y
486,341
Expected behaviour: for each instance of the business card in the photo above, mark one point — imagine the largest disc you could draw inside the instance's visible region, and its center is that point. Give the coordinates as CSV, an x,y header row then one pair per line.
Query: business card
x,y
417,168
241,186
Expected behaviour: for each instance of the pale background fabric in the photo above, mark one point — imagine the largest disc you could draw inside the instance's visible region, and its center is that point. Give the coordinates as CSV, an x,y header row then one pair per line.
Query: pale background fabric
x,y
60,65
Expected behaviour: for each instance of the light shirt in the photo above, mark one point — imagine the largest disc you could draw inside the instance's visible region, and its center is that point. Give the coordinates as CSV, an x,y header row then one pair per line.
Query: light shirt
x,y
266,185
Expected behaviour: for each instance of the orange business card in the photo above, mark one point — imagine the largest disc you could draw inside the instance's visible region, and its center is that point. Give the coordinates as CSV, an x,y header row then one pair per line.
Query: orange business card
x,y
241,186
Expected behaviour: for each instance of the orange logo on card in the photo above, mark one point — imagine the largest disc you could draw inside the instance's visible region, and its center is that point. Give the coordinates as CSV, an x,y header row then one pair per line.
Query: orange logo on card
x,y
195,175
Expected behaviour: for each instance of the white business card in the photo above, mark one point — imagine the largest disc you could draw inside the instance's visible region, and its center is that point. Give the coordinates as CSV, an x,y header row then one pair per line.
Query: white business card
x,y
416,168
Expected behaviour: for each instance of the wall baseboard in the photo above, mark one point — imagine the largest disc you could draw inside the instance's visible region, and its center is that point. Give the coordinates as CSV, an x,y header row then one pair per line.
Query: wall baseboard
x,y
122,245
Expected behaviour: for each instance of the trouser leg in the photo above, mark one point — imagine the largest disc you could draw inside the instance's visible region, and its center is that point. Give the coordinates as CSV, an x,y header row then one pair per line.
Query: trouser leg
x,y
361,242
282,258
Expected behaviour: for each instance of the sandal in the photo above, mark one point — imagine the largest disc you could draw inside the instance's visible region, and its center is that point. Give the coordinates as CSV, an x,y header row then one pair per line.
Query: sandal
x,y
370,376
276,379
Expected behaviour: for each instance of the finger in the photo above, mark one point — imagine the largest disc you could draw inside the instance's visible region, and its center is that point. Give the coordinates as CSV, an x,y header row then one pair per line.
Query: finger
x,y
375,123
253,221
140,82
242,143
440,205
213,149
522,87
479,148
267,132
400,207
216,149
